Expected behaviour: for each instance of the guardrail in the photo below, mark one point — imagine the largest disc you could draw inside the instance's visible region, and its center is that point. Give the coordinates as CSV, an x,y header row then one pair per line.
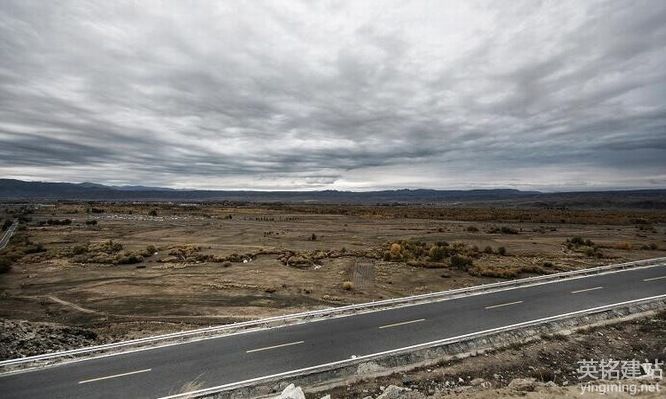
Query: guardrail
x,y
296,318
8,235
426,349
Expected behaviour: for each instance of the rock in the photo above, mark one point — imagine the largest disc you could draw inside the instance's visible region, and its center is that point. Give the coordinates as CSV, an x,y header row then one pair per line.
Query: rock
x,y
291,392
369,367
477,381
326,397
523,384
393,392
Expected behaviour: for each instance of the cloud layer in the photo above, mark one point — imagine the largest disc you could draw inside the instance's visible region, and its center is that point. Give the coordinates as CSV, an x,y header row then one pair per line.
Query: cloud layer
x,y
345,95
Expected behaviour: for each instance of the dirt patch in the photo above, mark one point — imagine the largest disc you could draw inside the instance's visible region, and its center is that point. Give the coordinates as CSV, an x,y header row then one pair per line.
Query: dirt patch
x,y
20,338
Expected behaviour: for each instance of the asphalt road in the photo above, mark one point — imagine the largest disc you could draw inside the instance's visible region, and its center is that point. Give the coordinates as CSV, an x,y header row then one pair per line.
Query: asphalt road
x,y
163,371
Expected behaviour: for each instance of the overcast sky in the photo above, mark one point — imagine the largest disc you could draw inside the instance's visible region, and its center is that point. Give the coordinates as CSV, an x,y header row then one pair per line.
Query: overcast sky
x,y
353,95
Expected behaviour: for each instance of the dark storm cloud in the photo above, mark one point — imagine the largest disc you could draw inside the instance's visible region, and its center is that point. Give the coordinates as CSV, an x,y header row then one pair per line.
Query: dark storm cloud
x,y
351,95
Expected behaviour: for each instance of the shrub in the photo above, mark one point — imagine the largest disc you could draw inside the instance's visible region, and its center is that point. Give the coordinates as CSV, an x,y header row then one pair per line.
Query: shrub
x,y
472,229
153,212
437,253
347,285
91,222
33,249
79,249
395,249
488,250
129,259
501,251
503,230
313,237
461,262
6,224
5,264
58,222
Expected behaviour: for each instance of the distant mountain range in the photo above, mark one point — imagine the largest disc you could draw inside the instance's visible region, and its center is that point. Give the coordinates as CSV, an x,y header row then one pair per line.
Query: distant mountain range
x,y
18,190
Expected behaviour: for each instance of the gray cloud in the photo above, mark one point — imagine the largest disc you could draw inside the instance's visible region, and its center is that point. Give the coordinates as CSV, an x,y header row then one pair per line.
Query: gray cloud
x,y
347,95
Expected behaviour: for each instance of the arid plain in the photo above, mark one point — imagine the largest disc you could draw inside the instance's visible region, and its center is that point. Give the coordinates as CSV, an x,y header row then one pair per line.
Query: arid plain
x,y
102,272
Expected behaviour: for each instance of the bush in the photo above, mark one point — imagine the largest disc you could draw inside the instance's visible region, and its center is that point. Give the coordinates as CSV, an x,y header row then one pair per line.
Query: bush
x,y
579,241
488,250
153,212
58,222
472,229
91,222
437,253
33,249
503,230
347,285
313,237
395,249
461,262
79,249
5,264
129,259
6,224
501,251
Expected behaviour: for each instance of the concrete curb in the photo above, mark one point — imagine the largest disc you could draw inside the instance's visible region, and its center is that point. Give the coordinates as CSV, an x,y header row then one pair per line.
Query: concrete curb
x,y
48,359
323,377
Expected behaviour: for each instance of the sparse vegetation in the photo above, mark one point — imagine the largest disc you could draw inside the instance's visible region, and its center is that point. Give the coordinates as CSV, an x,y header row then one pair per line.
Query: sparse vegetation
x,y
502,230
209,257
461,262
5,264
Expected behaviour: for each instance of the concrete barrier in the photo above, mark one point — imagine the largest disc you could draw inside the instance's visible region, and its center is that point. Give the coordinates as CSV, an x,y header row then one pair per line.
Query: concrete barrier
x,y
297,318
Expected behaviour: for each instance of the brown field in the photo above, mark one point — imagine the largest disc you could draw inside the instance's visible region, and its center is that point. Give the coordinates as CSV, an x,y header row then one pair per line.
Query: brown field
x,y
219,263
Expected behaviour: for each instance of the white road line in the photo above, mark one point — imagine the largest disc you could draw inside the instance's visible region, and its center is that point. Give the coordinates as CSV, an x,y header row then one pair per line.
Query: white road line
x,y
586,289
503,304
114,376
401,323
274,346
654,278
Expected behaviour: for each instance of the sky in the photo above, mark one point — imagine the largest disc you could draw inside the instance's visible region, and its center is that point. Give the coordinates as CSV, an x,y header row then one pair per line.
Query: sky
x,y
346,95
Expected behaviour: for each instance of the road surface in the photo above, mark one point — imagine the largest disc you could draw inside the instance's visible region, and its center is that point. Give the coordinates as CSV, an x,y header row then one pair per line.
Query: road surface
x,y
164,371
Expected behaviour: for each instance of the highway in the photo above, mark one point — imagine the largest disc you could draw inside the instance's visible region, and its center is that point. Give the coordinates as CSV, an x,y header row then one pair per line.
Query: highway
x,y
164,371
